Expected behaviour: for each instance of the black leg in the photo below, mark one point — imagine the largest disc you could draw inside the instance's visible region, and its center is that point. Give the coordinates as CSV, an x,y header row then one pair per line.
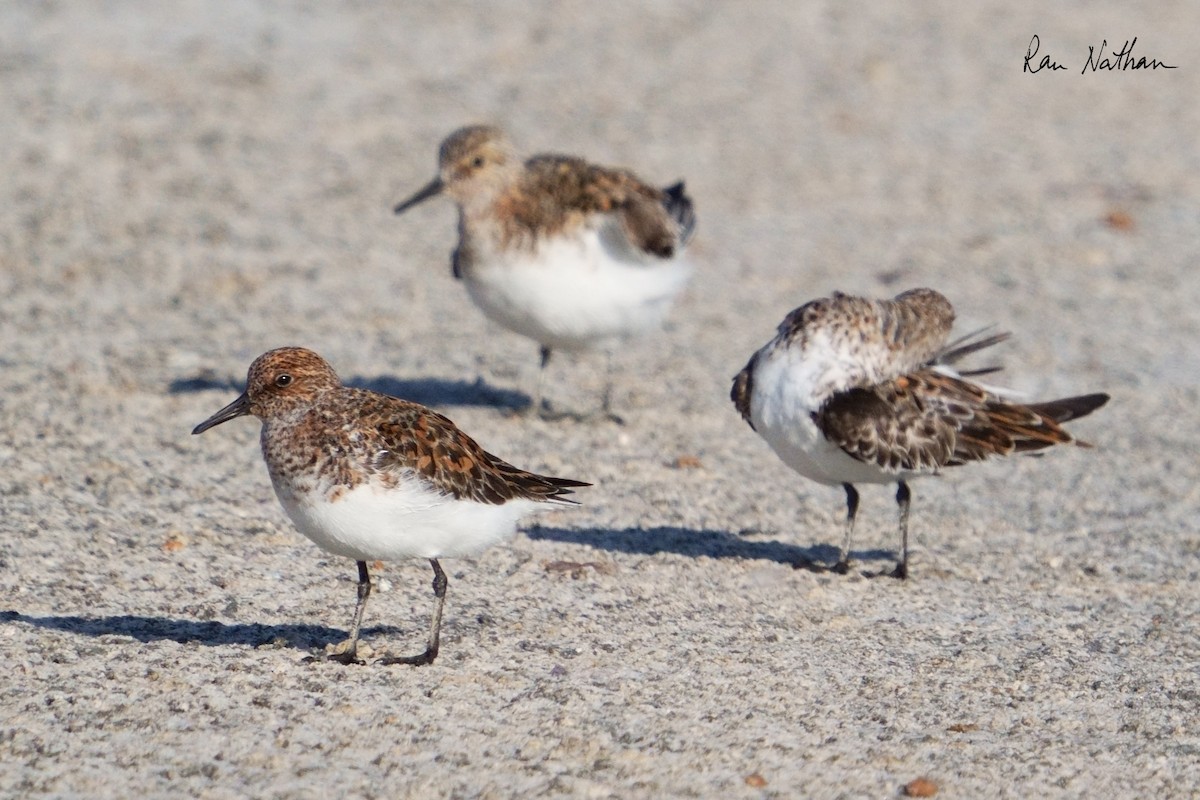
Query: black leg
x,y
843,564
431,648
606,405
347,651
903,498
535,407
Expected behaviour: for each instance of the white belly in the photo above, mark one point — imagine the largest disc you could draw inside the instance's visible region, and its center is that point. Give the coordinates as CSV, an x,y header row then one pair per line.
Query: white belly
x,y
781,407
573,293
408,521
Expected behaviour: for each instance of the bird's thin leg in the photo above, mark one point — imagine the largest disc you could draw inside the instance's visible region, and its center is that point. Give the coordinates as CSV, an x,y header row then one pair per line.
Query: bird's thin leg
x,y
535,407
347,651
431,648
606,401
843,564
903,498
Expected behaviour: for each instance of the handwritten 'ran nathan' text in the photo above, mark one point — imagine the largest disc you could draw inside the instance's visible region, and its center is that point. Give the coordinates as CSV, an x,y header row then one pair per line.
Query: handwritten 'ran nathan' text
x,y
1097,61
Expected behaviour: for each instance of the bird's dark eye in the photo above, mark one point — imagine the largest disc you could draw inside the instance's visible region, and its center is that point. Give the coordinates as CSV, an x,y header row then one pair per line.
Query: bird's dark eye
x,y
477,162
283,380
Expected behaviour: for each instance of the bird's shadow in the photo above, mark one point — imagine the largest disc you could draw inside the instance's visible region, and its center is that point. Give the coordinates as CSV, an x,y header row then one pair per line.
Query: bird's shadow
x,y
440,392
426,391
639,541
209,633
697,543
205,382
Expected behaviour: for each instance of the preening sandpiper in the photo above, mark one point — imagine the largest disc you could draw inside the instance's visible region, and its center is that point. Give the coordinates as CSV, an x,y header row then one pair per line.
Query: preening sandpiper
x,y
368,476
853,390
567,253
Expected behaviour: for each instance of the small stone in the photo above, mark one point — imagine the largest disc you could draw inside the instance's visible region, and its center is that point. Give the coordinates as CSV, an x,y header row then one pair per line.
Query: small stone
x,y
921,787
175,542
1120,220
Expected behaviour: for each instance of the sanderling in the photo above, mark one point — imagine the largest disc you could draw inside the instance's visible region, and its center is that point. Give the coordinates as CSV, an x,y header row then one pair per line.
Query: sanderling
x,y
853,390
567,253
368,476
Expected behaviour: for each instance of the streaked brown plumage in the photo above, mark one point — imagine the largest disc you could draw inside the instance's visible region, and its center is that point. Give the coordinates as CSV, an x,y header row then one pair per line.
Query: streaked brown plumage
x,y
928,420
548,195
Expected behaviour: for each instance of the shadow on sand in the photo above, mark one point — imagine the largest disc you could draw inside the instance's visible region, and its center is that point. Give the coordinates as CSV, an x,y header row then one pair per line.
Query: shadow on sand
x,y
208,633
426,391
713,544
438,392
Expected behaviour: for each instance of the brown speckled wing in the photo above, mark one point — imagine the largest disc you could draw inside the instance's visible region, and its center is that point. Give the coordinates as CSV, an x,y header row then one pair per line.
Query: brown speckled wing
x,y
1001,428
890,426
406,436
928,420
558,192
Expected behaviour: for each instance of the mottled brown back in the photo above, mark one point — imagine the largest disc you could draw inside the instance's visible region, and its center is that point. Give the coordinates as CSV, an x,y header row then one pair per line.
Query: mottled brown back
x,y
311,422
558,192
399,436
928,420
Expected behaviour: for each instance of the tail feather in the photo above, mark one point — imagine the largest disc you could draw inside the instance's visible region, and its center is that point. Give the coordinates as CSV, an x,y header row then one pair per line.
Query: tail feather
x,y
542,488
679,206
557,489
1003,428
1069,408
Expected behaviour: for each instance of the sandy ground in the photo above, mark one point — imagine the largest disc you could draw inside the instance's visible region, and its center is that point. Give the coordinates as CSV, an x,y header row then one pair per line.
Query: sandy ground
x,y
185,187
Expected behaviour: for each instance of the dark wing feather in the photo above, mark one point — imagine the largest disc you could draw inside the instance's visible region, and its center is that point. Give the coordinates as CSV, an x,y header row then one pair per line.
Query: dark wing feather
x,y
1070,408
968,344
559,190
743,389
928,420
679,206
407,436
889,426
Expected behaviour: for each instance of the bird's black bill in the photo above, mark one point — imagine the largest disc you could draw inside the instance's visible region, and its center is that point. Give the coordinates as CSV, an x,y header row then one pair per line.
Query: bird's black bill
x,y
431,189
237,408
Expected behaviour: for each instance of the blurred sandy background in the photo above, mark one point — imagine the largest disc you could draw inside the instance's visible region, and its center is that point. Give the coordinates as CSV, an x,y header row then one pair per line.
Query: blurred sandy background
x,y
186,185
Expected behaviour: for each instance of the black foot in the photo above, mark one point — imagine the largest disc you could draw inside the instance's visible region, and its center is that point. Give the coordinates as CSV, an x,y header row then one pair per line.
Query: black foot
x,y
345,659
347,652
900,572
613,417
418,660
841,568
549,414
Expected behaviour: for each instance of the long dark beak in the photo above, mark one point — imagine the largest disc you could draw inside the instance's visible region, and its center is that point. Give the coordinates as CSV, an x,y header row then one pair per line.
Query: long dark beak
x,y
433,188
237,408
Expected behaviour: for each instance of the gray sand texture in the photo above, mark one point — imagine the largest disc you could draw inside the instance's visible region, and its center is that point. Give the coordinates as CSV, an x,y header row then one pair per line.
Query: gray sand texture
x,y
187,185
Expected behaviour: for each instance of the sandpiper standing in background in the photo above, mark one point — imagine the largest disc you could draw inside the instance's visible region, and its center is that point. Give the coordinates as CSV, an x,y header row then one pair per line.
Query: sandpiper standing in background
x,y
368,476
853,390
567,253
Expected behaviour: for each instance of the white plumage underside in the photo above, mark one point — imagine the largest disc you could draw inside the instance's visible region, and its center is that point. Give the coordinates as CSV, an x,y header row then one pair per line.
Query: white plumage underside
x,y
790,385
576,291
410,520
